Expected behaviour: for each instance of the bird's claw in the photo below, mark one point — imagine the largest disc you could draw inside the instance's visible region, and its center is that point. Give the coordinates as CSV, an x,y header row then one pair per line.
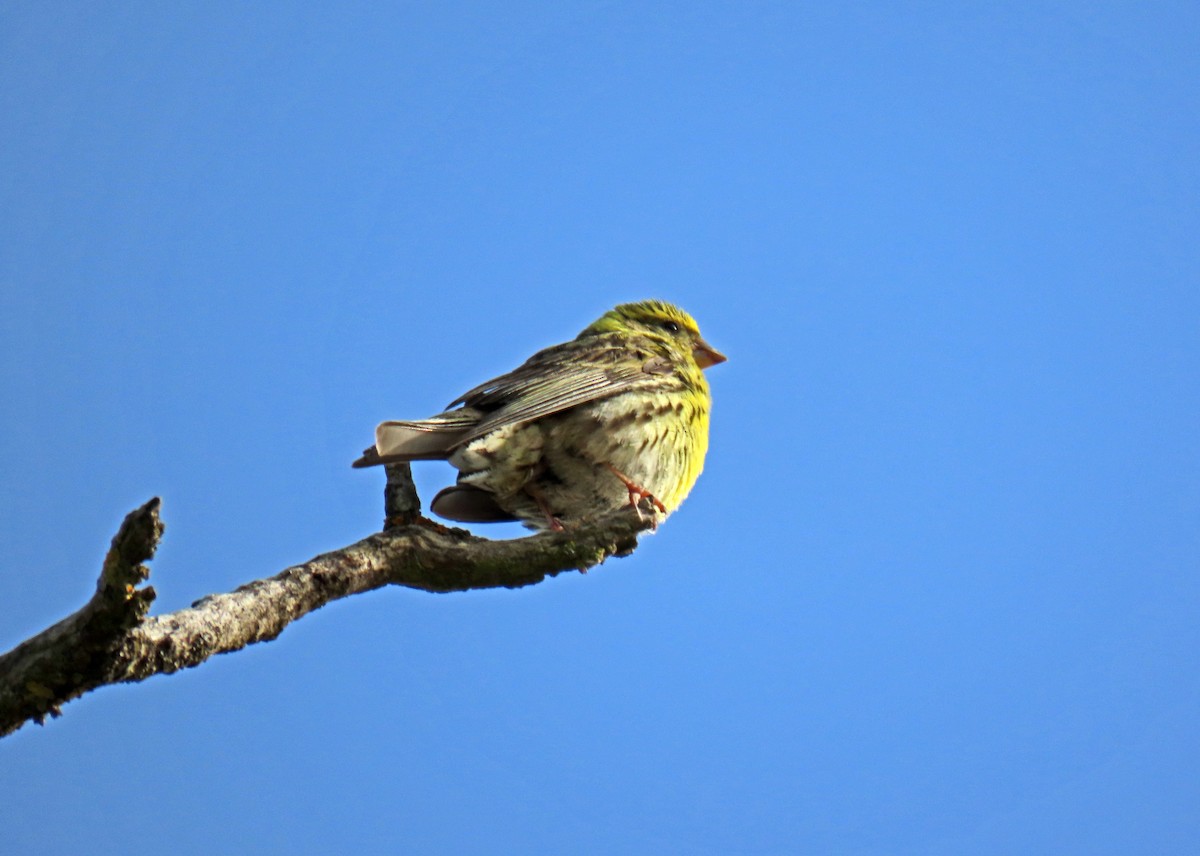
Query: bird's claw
x,y
655,506
637,493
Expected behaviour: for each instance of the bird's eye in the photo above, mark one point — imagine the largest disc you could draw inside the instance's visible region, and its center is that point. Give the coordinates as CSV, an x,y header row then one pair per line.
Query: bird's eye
x,y
670,326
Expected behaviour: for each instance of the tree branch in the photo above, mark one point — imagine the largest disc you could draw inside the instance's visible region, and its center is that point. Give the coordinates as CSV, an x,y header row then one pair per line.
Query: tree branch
x,y
111,639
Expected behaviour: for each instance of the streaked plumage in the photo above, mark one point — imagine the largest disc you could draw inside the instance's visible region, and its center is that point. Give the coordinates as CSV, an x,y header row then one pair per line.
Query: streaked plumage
x,y
581,428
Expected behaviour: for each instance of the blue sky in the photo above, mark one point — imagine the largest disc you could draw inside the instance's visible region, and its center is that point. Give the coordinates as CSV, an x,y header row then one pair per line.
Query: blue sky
x,y
937,589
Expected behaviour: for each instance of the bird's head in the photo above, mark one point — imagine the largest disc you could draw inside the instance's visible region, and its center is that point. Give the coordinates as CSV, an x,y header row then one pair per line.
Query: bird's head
x,y
659,320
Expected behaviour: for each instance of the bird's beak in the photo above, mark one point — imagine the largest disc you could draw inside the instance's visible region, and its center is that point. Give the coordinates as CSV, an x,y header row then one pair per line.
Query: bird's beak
x,y
706,355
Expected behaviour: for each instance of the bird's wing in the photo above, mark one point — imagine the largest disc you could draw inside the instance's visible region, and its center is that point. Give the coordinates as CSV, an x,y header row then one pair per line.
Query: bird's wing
x,y
559,378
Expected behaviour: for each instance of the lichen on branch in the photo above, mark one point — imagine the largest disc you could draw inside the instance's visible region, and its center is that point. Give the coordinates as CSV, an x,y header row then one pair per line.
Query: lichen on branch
x,y
112,639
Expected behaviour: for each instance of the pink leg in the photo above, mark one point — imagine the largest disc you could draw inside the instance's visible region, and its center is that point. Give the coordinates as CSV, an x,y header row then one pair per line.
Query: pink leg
x,y
553,522
636,492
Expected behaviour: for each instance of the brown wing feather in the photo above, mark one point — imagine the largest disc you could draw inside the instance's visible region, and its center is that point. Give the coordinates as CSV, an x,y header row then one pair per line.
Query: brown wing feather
x,y
563,377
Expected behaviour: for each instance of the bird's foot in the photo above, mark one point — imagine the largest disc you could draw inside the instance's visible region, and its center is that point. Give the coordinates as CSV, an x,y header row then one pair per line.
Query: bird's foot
x,y
637,493
552,522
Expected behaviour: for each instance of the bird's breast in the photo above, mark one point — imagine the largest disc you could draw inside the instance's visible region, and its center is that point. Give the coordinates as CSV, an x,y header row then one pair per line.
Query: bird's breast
x,y
658,441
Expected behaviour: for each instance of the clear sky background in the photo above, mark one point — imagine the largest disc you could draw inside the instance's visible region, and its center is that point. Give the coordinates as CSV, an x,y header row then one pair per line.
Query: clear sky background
x,y
937,591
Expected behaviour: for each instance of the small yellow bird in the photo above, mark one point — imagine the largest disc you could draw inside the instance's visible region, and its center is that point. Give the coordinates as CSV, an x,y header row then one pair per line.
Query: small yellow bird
x,y
616,415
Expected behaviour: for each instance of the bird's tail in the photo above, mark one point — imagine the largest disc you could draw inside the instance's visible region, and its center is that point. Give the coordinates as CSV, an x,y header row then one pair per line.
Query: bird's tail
x,y
430,439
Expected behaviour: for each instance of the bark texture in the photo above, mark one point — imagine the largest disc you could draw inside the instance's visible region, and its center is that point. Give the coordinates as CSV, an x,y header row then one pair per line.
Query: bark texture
x,y
112,639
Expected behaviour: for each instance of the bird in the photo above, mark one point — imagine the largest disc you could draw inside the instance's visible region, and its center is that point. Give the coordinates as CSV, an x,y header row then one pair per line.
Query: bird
x,y
618,415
